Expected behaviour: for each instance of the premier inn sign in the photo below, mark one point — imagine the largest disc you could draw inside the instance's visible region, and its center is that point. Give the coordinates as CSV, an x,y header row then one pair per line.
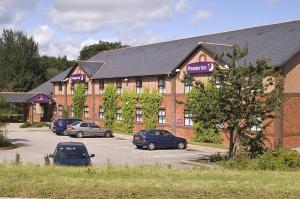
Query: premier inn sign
x,y
200,68
78,78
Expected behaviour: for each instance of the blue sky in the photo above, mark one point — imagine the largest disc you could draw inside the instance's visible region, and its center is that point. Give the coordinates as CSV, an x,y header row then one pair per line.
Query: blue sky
x,y
63,27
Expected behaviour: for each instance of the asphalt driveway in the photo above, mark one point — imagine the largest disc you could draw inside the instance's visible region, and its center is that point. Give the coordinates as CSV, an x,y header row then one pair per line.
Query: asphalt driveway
x,y
34,143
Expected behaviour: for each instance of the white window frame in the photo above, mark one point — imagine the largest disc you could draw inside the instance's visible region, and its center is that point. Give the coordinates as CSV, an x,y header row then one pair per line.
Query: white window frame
x,y
161,85
188,118
86,111
101,112
138,115
119,114
187,87
139,86
101,88
162,116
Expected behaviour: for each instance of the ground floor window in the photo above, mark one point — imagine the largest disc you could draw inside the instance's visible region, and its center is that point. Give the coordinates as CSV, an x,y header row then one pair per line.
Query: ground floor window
x,y
101,112
139,115
34,108
72,111
162,116
60,110
86,111
119,114
188,119
258,127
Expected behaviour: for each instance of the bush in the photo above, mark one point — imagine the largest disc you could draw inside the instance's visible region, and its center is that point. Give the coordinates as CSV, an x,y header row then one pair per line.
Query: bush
x,y
281,160
3,140
207,135
25,125
33,125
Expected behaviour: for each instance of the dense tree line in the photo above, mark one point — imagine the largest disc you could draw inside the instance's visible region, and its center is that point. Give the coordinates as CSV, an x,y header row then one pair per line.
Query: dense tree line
x,y
22,68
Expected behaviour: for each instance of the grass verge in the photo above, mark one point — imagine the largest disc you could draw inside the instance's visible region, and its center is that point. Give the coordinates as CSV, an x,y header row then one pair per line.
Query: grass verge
x,y
145,182
213,145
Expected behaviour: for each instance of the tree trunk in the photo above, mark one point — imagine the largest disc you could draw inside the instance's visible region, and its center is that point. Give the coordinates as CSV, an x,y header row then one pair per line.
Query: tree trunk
x,y
231,145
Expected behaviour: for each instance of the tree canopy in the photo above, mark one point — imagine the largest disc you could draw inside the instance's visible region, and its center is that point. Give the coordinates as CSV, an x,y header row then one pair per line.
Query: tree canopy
x,y
242,102
91,50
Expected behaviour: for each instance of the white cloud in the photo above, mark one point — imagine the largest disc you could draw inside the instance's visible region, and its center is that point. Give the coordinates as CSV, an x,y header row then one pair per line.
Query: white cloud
x,y
181,6
92,15
43,35
200,15
62,47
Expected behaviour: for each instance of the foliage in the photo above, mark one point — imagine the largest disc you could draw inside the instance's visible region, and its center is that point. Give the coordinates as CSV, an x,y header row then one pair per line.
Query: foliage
x,y
79,98
4,111
209,135
280,160
248,95
28,124
55,65
150,102
129,100
91,50
65,113
20,68
110,100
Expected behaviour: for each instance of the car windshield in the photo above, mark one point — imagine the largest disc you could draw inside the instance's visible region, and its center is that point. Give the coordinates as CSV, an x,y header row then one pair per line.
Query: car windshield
x,y
71,152
75,123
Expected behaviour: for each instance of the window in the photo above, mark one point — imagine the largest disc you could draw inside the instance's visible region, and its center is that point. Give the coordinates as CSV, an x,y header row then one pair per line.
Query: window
x,y
93,125
60,110
60,89
138,115
139,86
101,112
119,114
119,86
258,127
187,86
161,85
218,82
162,116
34,108
101,87
72,88
72,111
86,88
84,125
188,118
86,111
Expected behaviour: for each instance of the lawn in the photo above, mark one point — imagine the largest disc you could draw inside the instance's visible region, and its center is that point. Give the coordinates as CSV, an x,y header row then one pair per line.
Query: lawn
x,y
145,182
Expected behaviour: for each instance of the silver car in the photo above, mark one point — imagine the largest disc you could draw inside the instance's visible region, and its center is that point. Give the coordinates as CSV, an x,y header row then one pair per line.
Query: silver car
x,y
87,129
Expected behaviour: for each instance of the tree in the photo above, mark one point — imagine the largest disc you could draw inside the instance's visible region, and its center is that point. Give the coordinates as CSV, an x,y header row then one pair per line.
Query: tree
x,y
110,100
129,100
20,69
4,111
91,50
79,98
249,95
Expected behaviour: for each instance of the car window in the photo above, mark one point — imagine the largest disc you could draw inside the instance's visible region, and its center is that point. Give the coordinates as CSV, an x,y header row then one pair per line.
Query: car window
x,y
84,125
71,152
93,125
166,134
75,123
157,133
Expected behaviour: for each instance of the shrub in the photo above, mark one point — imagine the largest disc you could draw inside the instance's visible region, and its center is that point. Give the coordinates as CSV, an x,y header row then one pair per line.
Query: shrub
x,y
206,135
25,125
33,125
3,140
281,160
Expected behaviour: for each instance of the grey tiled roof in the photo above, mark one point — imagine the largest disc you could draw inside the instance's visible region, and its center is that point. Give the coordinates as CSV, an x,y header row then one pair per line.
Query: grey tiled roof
x,y
90,68
19,97
278,42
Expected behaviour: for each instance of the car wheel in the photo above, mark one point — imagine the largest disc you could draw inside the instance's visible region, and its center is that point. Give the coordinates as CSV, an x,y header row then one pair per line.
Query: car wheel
x,y
151,146
181,145
79,134
107,134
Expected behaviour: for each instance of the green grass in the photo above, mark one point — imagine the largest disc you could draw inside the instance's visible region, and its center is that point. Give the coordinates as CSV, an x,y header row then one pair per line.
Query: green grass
x,y
145,182
219,146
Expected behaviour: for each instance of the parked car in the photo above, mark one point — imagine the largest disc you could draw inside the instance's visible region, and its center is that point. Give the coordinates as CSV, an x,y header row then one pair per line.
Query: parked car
x,y
71,154
157,139
60,125
86,129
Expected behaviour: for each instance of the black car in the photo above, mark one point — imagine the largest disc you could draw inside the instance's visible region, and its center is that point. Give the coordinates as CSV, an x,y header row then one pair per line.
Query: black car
x,y
156,138
71,154
60,125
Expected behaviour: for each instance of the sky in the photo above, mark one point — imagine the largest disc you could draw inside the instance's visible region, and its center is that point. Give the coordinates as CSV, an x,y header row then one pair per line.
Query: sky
x,y
64,27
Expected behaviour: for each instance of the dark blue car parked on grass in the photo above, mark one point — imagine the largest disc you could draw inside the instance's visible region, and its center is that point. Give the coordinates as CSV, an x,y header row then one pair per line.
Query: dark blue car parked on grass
x,y
60,125
158,139
71,154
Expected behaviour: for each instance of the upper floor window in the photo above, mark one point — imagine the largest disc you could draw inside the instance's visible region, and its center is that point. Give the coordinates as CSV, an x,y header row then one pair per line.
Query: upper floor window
x,y
60,88
139,86
218,81
162,116
101,112
86,111
188,118
101,87
72,88
119,114
161,85
72,111
187,86
119,86
86,88
258,126
139,115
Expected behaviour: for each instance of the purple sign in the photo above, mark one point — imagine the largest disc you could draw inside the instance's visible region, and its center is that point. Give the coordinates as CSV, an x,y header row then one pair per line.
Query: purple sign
x,y
200,68
78,78
40,98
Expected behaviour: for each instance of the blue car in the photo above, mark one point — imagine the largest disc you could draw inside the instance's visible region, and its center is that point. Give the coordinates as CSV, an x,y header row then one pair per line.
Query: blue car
x,y
157,139
71,154
60,125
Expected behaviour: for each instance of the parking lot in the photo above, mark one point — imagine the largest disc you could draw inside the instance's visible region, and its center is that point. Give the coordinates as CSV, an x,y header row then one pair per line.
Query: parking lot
x,y
34,143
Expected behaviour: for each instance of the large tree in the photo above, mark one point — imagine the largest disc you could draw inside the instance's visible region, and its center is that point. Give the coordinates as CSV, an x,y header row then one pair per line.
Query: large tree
x,y
20,69
246,97
91,50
